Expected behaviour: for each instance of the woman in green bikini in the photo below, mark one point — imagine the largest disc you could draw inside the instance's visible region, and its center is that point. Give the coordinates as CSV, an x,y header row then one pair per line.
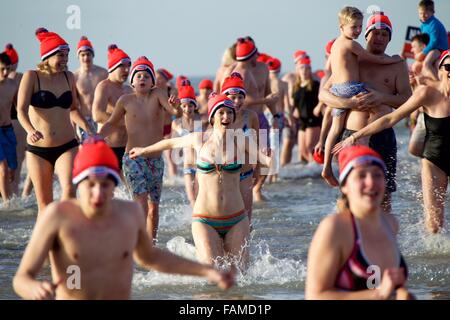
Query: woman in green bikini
x,y
220,226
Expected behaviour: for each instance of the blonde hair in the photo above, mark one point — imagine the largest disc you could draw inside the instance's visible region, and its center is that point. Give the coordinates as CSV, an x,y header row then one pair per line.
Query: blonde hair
x,y
349,14
229,56
43,66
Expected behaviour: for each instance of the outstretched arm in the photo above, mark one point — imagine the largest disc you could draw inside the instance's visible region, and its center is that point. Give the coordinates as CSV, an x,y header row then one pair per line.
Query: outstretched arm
x,y
114,119
388,121
187,141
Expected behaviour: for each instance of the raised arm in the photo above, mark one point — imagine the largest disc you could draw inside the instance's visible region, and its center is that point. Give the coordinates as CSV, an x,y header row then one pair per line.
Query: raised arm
x,y
37,250
171,105
23,103
365,55
159,260
114,119
100,104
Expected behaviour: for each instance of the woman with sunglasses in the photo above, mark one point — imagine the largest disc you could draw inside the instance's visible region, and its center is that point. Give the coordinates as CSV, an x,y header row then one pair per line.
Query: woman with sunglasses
x,y
435,100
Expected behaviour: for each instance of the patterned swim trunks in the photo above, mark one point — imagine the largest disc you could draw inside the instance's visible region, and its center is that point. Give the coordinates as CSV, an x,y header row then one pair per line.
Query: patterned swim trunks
x,y
144,175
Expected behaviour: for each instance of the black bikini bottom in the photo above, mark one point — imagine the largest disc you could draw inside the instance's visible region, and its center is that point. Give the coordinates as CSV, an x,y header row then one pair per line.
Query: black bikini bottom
x,y
51,154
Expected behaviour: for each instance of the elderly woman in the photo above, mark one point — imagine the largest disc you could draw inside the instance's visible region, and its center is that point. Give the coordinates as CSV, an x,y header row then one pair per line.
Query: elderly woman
x,y
355,250
435,102
220,225
50,92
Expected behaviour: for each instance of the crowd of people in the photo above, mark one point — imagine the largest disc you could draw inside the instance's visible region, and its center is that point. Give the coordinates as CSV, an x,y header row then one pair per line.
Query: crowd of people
x,y
97,127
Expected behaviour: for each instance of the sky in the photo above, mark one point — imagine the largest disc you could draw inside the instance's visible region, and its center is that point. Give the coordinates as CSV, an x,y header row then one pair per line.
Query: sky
x,y
189,37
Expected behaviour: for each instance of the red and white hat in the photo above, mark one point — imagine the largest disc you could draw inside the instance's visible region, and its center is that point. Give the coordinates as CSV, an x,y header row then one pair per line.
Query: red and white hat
x,y
95,158
263,57
85,45
234,84
217,101
304,61
180,80
353,156
245,49
328,46
443,56
51,43
186,93
116,57
165,73
299,54
274,65
12,53
205,84
378,21
142,64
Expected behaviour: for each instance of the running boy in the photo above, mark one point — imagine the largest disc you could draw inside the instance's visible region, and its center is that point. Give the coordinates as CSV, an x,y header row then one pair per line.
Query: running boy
x,y
147,105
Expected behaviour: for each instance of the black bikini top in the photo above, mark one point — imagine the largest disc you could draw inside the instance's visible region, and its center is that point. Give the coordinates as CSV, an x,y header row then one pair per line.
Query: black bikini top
x,y
46,99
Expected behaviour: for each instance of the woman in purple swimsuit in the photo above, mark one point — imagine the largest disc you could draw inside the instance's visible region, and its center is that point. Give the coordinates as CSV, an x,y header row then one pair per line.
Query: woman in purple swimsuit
x,y
355,250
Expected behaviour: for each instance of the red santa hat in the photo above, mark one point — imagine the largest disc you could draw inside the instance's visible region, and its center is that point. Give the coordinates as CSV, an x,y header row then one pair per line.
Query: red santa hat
x,y
142,64
116,57
206,84
245,49
12,53
299,54
378,21
84,45
95,158
186,93
165,73
234,84
217,101
443,56
274,65
51,43
354,156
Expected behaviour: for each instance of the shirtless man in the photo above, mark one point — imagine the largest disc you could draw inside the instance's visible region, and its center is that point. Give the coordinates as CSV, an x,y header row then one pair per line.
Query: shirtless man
x,y
388,87
107,93
87,77
257,84
8,156
205,88
21,135
279,87
147,105
93,240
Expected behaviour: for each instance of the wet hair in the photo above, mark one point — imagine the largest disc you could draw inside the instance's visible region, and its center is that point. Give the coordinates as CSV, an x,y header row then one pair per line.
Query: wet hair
x,y
4,58
342,203
423,38
427,5
349,14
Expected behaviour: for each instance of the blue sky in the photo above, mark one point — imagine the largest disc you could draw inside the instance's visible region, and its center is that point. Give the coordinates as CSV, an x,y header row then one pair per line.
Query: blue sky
x,y
189,37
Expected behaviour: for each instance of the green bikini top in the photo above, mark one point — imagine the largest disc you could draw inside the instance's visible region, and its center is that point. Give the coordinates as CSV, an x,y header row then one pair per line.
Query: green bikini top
x,y
207,167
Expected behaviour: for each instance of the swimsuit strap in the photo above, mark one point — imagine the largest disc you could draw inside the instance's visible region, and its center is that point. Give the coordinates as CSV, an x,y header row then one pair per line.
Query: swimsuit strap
x,y
39,82
67,79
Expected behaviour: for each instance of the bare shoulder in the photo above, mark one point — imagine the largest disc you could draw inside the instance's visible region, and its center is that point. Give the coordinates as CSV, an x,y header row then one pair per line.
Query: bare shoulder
x,y
128,210
59,211
333,226
103,85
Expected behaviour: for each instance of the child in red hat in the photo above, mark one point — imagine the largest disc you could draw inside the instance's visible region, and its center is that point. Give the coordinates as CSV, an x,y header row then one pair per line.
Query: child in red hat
x,y
146,105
